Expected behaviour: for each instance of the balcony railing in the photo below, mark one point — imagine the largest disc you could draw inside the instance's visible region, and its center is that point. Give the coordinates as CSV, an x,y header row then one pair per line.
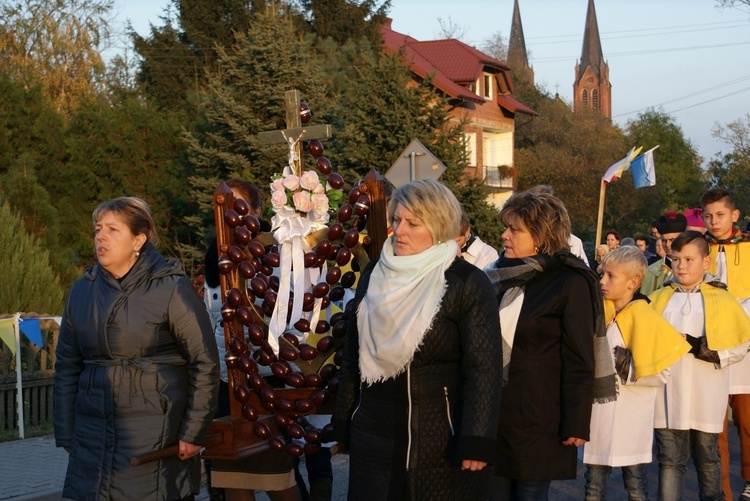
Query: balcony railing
x,y
497,176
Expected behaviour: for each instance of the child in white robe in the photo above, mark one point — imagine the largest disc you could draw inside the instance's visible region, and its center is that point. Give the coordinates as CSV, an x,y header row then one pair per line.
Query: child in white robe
x,y
644,347
690,412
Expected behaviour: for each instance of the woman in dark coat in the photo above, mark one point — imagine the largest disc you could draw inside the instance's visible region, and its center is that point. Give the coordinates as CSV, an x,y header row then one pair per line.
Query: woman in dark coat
x,y
136,368
418,398
556,358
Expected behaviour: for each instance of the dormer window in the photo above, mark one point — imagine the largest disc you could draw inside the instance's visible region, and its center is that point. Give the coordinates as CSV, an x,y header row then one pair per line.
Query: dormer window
x,y
488,86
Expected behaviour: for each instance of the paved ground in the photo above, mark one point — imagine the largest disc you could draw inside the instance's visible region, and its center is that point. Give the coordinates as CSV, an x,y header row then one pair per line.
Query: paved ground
x,y
33,469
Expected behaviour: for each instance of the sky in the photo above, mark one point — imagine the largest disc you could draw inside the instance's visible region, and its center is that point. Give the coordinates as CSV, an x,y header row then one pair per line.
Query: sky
x,y
688,58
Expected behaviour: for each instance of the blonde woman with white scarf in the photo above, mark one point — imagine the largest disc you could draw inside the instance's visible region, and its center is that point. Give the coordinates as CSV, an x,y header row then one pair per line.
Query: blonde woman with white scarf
x,y
421,373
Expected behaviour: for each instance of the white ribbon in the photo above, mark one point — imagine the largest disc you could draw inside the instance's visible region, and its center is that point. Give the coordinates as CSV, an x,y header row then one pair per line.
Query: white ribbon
x,y
290,229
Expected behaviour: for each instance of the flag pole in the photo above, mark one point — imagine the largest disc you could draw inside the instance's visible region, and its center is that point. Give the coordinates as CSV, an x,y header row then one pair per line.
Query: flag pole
x,y
600,216
19,384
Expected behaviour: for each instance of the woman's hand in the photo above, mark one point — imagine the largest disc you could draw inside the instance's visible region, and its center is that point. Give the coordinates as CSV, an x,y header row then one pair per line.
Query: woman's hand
x,y
576,442
470,464
188,450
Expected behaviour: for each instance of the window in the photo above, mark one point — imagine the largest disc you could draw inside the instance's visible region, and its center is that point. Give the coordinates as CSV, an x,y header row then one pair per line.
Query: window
x,y
470,147
585,98
488,85
595,99
497,154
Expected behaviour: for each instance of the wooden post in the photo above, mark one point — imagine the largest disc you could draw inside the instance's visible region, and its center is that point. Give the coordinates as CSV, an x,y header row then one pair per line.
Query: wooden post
x,y
294,132
377,219
600,216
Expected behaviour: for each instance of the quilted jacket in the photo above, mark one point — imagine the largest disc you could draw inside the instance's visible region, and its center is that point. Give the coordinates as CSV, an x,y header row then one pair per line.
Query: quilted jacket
x,y
408,435
136,371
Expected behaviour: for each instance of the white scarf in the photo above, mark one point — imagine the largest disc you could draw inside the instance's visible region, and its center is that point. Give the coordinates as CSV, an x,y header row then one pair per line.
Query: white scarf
x,y
402,298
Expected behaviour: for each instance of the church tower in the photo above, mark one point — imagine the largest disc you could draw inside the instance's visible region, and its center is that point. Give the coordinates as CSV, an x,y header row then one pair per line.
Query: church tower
x,y
518,58
592,88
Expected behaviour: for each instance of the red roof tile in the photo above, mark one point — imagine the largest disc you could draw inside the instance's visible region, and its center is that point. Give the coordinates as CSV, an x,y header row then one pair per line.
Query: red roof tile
x,y
452,63
423,68
458,61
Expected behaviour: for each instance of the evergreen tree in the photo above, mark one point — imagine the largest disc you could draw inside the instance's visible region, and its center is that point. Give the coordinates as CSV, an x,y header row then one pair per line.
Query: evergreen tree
x,y
124,150
177,56
29,282
344,20
379,112
32,152
245,96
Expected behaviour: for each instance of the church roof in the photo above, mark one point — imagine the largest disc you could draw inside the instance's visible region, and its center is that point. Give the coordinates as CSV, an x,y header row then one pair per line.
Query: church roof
x,y
517,43
591,54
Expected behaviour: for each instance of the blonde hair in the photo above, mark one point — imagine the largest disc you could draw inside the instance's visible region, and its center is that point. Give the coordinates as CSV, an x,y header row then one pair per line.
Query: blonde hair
x,y
543,215
630,258
134,212
433,203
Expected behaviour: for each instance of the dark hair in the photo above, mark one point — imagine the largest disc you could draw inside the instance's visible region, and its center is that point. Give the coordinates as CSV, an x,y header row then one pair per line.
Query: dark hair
x,y
465,223
691,237
249,191
543,215
542,188
642,238
717,195
613,232
134,212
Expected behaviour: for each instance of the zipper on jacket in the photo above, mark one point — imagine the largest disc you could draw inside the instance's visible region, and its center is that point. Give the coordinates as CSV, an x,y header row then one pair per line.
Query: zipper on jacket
x,y
408,424
359,403
448,410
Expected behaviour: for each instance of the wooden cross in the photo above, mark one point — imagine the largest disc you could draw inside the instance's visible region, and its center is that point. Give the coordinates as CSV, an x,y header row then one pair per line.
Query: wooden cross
x,y
294,132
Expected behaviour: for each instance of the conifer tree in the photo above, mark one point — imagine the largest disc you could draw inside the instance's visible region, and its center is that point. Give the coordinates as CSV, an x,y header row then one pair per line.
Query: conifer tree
x,y
29,283
344,20
177,55
245,96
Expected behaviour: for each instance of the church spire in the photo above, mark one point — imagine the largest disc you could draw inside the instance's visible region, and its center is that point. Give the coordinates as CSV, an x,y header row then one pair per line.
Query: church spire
x,y
592,88
518,58
591,54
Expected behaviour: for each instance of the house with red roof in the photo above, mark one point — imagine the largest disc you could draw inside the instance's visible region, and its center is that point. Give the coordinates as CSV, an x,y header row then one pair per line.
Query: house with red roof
x,y
479,89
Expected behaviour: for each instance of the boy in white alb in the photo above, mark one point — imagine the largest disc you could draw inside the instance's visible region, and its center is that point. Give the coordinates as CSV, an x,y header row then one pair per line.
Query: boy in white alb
x,y
644,347
690,413
729,250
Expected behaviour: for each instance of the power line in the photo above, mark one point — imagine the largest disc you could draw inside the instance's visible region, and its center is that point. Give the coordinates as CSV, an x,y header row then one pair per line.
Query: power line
x,y
578,35
731,82
710,100
642,52
629,37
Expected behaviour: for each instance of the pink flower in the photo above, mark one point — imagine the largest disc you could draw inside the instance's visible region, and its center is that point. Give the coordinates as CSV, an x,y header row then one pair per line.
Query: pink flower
x,y
278,199
309,180
302,201
277,184
319,189
291,182
319,203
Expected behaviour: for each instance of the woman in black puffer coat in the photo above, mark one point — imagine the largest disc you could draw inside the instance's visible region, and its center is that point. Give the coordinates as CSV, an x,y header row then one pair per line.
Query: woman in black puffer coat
x,y
136,369
420,379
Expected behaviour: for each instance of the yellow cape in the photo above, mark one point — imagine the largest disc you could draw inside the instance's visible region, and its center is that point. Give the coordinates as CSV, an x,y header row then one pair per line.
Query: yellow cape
x,y
653,342
727,324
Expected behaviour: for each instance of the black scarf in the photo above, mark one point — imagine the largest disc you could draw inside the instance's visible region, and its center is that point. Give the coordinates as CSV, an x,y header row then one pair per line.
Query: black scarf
x,y
509,276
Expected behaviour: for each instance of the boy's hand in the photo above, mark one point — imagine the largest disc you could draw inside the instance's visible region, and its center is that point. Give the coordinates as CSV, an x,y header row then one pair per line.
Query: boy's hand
x,y
695,344
576,442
